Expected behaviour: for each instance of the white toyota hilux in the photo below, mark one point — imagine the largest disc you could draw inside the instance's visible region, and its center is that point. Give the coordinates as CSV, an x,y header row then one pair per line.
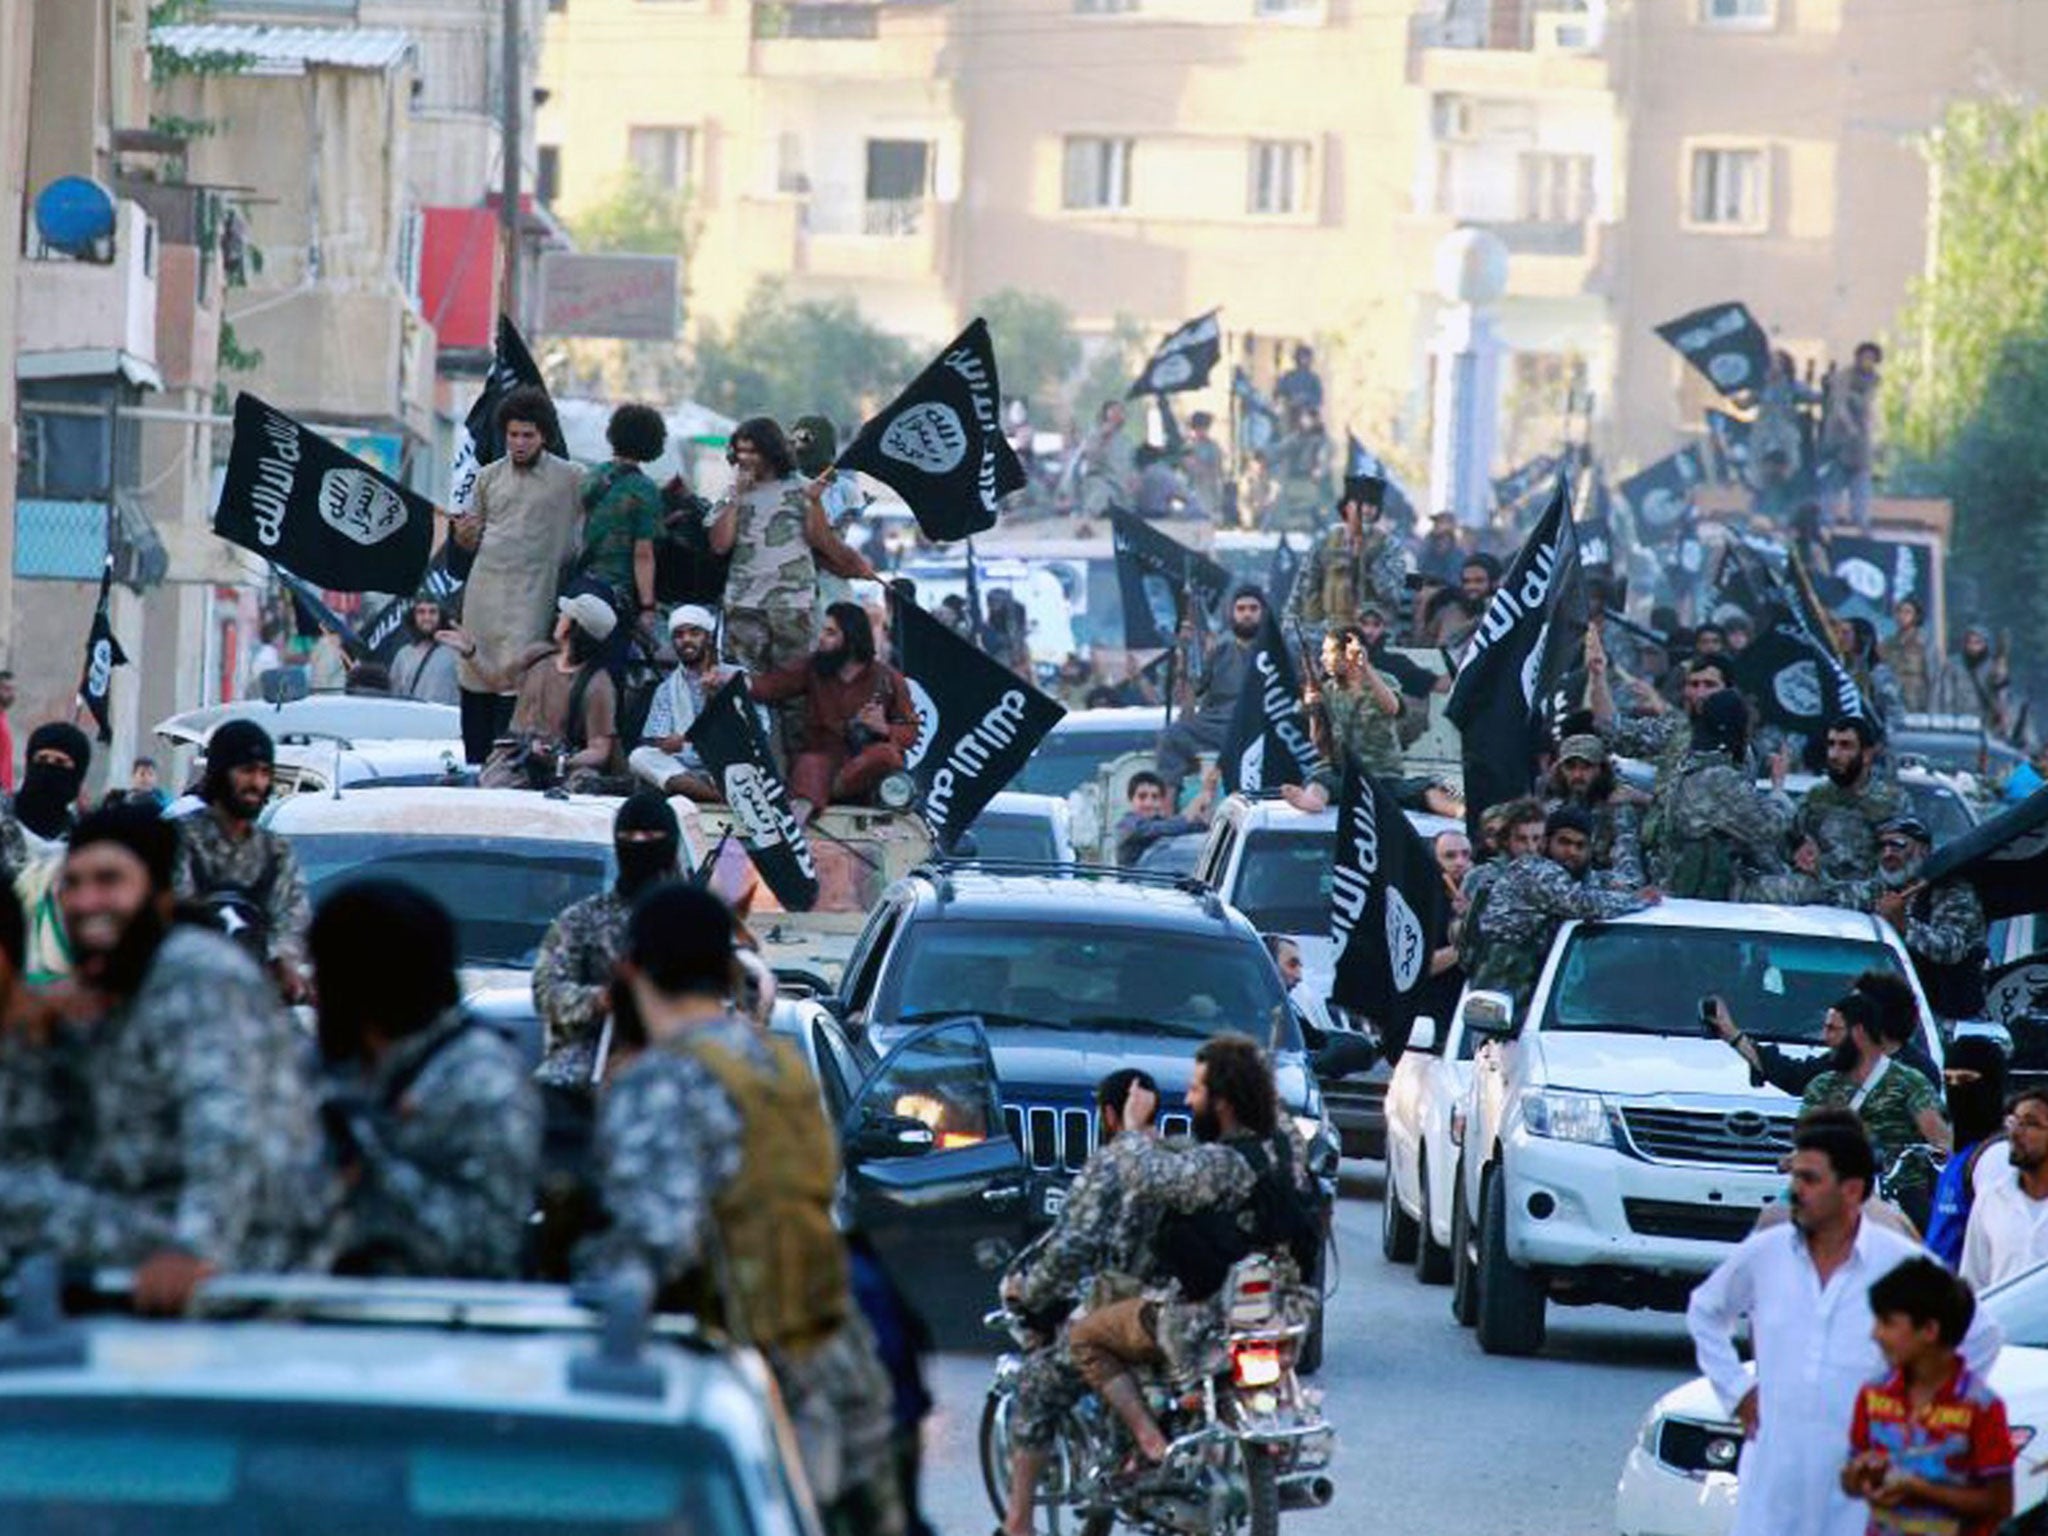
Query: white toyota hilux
x,y
1611,1149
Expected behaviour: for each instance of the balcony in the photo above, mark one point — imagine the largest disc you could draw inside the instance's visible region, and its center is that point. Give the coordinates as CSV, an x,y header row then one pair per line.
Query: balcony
x,y
93,318
1549,49
876,239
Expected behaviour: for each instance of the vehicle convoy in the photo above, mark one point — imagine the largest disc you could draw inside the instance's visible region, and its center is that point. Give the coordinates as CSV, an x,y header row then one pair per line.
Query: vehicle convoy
x,y
332,1407
1242,1446
1073,973
1273,864
1424,1098
1614,1148
330,739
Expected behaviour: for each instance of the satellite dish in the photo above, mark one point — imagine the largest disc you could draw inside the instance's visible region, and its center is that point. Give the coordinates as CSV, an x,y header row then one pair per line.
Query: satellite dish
x,y
75,215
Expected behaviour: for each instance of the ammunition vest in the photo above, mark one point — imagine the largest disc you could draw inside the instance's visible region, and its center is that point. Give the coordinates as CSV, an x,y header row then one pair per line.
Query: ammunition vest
x,y
778,1260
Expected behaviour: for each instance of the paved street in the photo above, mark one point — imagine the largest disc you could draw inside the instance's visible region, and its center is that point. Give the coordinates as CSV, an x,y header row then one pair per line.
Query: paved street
x,y
1415,1402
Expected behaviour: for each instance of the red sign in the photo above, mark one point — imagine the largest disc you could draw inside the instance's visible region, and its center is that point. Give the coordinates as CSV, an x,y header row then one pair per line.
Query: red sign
x,y
459,276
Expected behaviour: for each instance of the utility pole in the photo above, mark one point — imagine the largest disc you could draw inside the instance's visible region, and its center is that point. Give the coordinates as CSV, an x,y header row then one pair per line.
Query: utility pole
x,y
508,149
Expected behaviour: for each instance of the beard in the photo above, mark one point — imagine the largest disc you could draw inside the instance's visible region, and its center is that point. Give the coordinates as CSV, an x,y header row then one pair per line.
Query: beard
x,y
119,969
825,663
690,655
1843,1057
1207,1127
1845,778
1894,879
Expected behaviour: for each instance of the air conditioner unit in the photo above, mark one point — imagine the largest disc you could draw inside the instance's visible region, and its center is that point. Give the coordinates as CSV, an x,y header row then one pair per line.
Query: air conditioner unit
x,y
1567,32
1457,119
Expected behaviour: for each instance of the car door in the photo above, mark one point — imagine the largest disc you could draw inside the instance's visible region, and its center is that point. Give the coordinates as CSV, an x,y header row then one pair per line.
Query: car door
x,y
934,1180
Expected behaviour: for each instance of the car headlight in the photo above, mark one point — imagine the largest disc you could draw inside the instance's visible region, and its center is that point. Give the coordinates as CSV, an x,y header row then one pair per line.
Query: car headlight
x,y
1693,1448
1562,1115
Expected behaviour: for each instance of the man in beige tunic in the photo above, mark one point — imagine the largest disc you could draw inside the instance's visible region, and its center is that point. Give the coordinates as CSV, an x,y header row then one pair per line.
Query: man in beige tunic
x,y
524,527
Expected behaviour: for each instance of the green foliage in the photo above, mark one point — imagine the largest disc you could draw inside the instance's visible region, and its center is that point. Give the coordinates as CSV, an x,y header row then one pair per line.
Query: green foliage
x,y
165,64
232,355
636,217
1115,363
787,357
1988,164
1036,348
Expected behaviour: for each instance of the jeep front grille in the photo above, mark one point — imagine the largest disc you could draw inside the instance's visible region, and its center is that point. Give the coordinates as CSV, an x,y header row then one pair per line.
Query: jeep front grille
x,y
1741,1138
1058,1139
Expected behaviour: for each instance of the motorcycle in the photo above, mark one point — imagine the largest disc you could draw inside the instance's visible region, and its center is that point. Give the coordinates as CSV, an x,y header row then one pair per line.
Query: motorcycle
x,y
1243,1444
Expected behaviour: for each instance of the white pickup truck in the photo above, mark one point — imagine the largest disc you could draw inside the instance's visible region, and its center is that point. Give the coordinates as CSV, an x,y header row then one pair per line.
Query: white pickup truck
x,y
1611,1148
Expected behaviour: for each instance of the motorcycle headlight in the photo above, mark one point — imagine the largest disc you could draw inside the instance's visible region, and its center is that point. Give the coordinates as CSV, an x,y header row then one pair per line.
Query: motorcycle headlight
x,y
1562,1115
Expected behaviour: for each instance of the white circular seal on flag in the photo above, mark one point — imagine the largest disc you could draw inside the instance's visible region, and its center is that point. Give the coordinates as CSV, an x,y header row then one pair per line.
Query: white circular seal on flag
x,y
1660,508
927,722
1251,767
1171,370
2021,990
101,670
1797,689
360,507
746,791
927,437
1864,579
1405,949
1730,370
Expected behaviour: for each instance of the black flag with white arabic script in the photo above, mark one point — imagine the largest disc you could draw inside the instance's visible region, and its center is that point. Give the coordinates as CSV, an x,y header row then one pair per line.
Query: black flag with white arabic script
x,y
1795,681
727,735
1153,573
1268,743
1386,904
323,514
103,653
1532,632
1183,361
1724,342
977,721
1661,493
940,445
481,440
2005,858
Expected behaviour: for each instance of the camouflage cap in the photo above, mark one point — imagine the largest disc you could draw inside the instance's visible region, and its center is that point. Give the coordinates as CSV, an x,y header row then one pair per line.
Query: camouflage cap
x,y
1582,749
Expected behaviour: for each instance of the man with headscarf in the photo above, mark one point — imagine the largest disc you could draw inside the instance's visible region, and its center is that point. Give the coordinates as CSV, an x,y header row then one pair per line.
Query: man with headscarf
x,y
566,720
1709,827
572,974
246,874
714,1159
664,758
431,1114
1224,673
857,714
195,1147
37,818
814,443
1356,562
1973,1075
1977,682
1584,777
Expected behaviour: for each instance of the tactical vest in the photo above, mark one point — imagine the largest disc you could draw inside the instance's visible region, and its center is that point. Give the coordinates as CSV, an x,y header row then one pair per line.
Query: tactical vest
x,y
1953,991
1340,585
1702,867
783,1264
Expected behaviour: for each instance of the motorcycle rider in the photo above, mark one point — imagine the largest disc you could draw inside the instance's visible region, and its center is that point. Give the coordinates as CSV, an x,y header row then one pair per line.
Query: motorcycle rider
x,y
1101,1243
1240,1183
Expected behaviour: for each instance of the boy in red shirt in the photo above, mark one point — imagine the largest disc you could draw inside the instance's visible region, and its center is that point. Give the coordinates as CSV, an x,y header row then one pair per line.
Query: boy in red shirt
x,y
1932,1454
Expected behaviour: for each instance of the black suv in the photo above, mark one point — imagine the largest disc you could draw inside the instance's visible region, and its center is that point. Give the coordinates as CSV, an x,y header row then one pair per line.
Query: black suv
x,y
1071,972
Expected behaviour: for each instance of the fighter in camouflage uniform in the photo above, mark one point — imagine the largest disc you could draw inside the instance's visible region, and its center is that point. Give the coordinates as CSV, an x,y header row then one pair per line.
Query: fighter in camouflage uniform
x,y
432,1114
1709,829
199,1143
572,975
718,1173
1534,897
1843,812
1353,563
1943,924
1101,1247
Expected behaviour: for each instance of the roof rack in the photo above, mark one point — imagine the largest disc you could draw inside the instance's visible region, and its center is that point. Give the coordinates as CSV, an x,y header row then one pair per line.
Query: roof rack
x,y
942,869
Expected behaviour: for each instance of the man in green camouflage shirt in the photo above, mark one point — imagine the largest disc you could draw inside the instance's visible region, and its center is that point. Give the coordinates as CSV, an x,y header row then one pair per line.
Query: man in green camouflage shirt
x,y
1843,812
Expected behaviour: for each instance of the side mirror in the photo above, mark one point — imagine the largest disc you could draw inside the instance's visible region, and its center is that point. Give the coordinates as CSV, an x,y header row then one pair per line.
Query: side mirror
x,y
1423,1036
1488,1015
1344,1055
283,685
883,1135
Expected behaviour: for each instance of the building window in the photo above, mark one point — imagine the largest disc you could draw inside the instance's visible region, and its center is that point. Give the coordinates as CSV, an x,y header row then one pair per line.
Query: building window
x,y
839,22
1556,189
1104,7
1097,174
661,156
1738,13
1728,190
547,177
1287,10
1277,180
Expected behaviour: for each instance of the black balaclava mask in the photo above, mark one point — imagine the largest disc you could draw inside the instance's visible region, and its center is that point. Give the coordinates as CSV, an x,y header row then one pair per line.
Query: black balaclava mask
x,y
49,790
645,838
1976,1109
237,744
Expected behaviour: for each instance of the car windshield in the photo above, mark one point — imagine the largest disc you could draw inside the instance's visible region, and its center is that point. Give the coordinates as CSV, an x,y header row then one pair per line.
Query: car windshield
x,y
1941,808
1015,837
157,1467
1066,760
503,892
1145,981
1283,881
1174,855
1650,979
1956,751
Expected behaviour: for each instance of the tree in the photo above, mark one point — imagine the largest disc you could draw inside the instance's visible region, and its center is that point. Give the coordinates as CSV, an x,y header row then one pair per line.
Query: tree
x,y
1968,385
1036,348
635,216
1114,362
787,357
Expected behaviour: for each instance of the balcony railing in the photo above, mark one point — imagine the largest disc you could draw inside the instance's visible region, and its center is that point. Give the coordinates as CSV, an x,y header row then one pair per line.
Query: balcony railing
x,y
893,218
1540,237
